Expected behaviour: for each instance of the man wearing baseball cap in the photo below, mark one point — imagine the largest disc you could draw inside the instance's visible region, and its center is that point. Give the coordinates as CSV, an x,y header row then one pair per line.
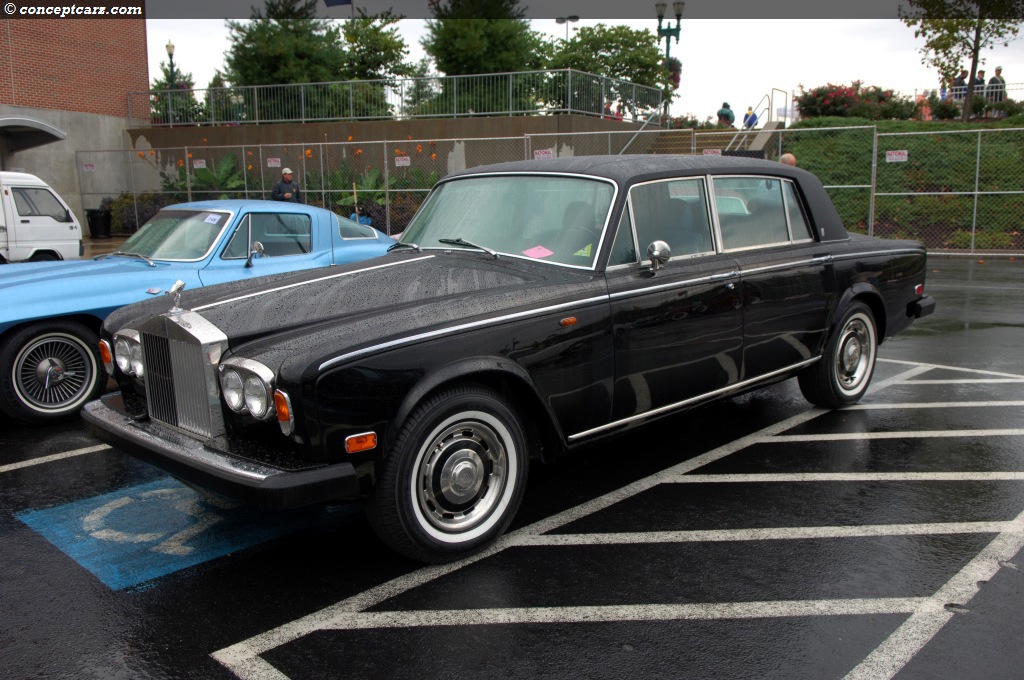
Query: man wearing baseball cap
x,y
285,189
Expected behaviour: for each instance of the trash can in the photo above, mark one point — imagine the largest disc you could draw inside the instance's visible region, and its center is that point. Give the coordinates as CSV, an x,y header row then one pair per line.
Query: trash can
x,y
99,222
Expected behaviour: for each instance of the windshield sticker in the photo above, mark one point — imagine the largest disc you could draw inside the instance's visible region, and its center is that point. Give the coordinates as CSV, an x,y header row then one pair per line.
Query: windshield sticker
x,y
212,219
585,251
152,291
538,252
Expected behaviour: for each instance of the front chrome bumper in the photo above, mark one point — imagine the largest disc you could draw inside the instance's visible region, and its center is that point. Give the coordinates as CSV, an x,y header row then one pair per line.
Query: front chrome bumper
x,y
192,462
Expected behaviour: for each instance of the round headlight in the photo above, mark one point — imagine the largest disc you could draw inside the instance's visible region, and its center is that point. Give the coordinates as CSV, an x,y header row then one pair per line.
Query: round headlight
x,y
122,351
231,385
135,360
257,399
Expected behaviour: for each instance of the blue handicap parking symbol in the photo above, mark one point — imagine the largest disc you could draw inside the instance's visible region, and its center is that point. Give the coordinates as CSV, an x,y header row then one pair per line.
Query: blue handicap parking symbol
x,y
144,532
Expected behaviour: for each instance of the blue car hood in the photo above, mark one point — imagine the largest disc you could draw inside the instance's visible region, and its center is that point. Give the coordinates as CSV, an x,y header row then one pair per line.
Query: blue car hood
x,y
35,290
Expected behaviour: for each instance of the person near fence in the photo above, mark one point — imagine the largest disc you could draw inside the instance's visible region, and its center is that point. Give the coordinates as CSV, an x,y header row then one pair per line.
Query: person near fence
x,y
725,115
749,118
997,89
960,85
979,84
285,189
788,159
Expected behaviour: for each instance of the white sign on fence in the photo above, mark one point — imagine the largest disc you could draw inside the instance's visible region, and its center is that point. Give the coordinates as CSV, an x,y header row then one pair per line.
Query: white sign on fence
x,y
712,152
900,156
543,153
89,167
402,161
273,162
199,163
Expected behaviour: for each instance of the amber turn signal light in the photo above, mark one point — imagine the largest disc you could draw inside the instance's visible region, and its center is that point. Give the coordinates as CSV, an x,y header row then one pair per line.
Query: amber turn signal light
x,y
358,443
106,356
283,407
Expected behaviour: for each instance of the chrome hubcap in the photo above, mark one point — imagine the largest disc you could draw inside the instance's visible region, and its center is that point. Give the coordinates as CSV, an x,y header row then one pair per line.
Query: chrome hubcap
x,y
52,373
462,474
856,354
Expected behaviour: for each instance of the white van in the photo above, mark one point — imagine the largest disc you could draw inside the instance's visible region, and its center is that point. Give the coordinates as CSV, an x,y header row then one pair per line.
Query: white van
x,y
35,223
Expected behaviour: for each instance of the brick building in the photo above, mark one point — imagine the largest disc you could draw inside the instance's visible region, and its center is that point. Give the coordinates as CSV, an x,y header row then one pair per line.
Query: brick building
x,y
64,87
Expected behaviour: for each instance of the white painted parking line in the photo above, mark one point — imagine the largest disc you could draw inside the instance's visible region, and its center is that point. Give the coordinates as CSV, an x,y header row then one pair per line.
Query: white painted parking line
x,y
927,614
971,381
917,631
771,534
775,478
979,371
922,434
54,457
932,404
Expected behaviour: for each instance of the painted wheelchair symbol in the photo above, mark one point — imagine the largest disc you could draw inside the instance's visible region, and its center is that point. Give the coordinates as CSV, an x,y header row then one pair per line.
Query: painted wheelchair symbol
x,y
204,511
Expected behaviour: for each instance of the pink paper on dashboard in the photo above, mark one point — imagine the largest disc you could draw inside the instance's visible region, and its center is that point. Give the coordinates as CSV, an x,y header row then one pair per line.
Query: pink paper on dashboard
x,y
538,252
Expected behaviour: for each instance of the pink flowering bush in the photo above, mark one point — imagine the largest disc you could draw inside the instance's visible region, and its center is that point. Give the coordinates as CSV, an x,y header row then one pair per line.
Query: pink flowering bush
x,y
854,101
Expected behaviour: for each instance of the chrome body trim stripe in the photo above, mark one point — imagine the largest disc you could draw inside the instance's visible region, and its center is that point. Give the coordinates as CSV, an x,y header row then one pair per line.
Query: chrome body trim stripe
x,y
675,284
686,402
306,283
873,253
455,329
787,265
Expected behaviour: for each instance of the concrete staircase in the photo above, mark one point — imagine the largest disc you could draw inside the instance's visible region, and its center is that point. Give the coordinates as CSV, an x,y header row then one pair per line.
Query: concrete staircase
x,y
688,142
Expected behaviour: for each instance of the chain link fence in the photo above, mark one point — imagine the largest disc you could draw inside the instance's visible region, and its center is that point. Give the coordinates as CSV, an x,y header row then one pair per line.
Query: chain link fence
x,y
957,191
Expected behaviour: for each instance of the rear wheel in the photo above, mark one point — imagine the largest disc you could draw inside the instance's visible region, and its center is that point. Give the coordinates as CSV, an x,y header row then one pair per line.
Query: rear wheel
x,y
454,478
49,371
843,374
43,257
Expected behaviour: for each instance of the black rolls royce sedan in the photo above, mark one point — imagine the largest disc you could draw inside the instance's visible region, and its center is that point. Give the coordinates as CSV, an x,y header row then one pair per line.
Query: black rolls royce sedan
x,y
530,308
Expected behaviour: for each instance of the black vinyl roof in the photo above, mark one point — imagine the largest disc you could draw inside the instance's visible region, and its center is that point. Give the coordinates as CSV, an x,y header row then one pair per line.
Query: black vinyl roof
x,y
626,170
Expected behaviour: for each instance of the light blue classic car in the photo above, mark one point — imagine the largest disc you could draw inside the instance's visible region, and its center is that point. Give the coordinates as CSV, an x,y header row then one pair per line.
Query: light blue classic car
x,y
51,312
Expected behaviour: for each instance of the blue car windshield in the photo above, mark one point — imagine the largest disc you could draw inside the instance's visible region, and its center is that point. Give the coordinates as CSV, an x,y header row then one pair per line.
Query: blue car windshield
x,y
177,235
546,218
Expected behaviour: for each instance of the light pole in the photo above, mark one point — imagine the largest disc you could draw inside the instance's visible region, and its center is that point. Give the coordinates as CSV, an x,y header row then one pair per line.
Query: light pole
x,y
571,19
170,83
668,32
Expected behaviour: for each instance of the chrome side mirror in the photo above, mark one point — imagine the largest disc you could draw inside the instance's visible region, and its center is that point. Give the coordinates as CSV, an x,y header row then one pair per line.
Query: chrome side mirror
x,y
257,249
659,253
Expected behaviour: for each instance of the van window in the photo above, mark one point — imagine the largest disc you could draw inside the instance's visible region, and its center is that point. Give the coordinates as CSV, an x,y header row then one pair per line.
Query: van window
x,y
39,202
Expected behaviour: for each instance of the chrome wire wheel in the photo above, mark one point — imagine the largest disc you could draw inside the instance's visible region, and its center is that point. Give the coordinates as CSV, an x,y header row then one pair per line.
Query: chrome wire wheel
x,y
54,373
461,476
855,354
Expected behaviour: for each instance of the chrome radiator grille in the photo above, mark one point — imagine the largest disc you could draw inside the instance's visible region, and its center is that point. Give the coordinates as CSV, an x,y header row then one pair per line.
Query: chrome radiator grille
x,y
182,390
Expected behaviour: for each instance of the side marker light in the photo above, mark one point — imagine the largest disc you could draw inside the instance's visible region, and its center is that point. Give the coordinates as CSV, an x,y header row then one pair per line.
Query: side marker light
x,y
358,443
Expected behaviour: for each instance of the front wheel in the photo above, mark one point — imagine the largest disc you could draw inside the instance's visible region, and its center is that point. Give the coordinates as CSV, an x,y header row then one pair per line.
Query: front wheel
x,y
49,370
454,478
842,375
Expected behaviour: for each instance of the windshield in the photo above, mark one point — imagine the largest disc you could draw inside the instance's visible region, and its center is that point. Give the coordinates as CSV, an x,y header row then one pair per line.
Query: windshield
x,y
538,217
177,235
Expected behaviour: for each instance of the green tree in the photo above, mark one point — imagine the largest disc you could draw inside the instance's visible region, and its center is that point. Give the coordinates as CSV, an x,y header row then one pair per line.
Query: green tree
x,y
177,105
375,53
617,52
469,37
286,45
956,31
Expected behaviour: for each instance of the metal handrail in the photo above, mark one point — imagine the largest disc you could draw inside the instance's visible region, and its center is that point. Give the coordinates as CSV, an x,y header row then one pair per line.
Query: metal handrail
x,y
642,127
498,94
743,134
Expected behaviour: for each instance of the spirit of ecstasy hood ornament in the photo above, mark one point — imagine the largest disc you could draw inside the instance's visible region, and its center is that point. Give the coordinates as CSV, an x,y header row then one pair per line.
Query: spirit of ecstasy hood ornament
x,y
175,293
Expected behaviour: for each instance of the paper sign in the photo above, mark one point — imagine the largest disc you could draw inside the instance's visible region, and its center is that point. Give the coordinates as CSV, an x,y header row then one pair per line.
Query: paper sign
x,y
538,252
402,161
273,162
712,152
212,219
89,167
199,164
543,153
900,156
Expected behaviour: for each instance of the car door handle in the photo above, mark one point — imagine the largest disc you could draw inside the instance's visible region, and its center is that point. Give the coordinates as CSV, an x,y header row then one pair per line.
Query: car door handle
x,y
724,275
821,259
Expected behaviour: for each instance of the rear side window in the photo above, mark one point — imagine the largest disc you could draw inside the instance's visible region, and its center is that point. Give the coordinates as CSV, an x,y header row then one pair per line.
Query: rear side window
x,y
38,202
349,229
751,212
674,211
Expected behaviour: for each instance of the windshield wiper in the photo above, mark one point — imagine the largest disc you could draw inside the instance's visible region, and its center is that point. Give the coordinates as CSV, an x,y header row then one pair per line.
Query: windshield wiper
x,y
402,244
464,242
128,254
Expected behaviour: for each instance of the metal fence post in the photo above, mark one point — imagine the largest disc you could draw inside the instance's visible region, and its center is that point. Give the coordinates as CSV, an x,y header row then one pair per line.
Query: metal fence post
x,y
874,179
977,184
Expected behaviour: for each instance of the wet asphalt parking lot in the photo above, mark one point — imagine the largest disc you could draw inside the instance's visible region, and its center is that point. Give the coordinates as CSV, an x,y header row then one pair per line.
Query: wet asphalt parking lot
x,y
754,537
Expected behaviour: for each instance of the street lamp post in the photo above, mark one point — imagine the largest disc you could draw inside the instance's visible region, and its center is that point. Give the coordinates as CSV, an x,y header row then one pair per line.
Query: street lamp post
x,y
170,83
668,32
571,19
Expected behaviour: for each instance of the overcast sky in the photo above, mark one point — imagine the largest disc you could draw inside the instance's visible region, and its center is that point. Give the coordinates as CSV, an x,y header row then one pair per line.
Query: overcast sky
x,y
738,61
